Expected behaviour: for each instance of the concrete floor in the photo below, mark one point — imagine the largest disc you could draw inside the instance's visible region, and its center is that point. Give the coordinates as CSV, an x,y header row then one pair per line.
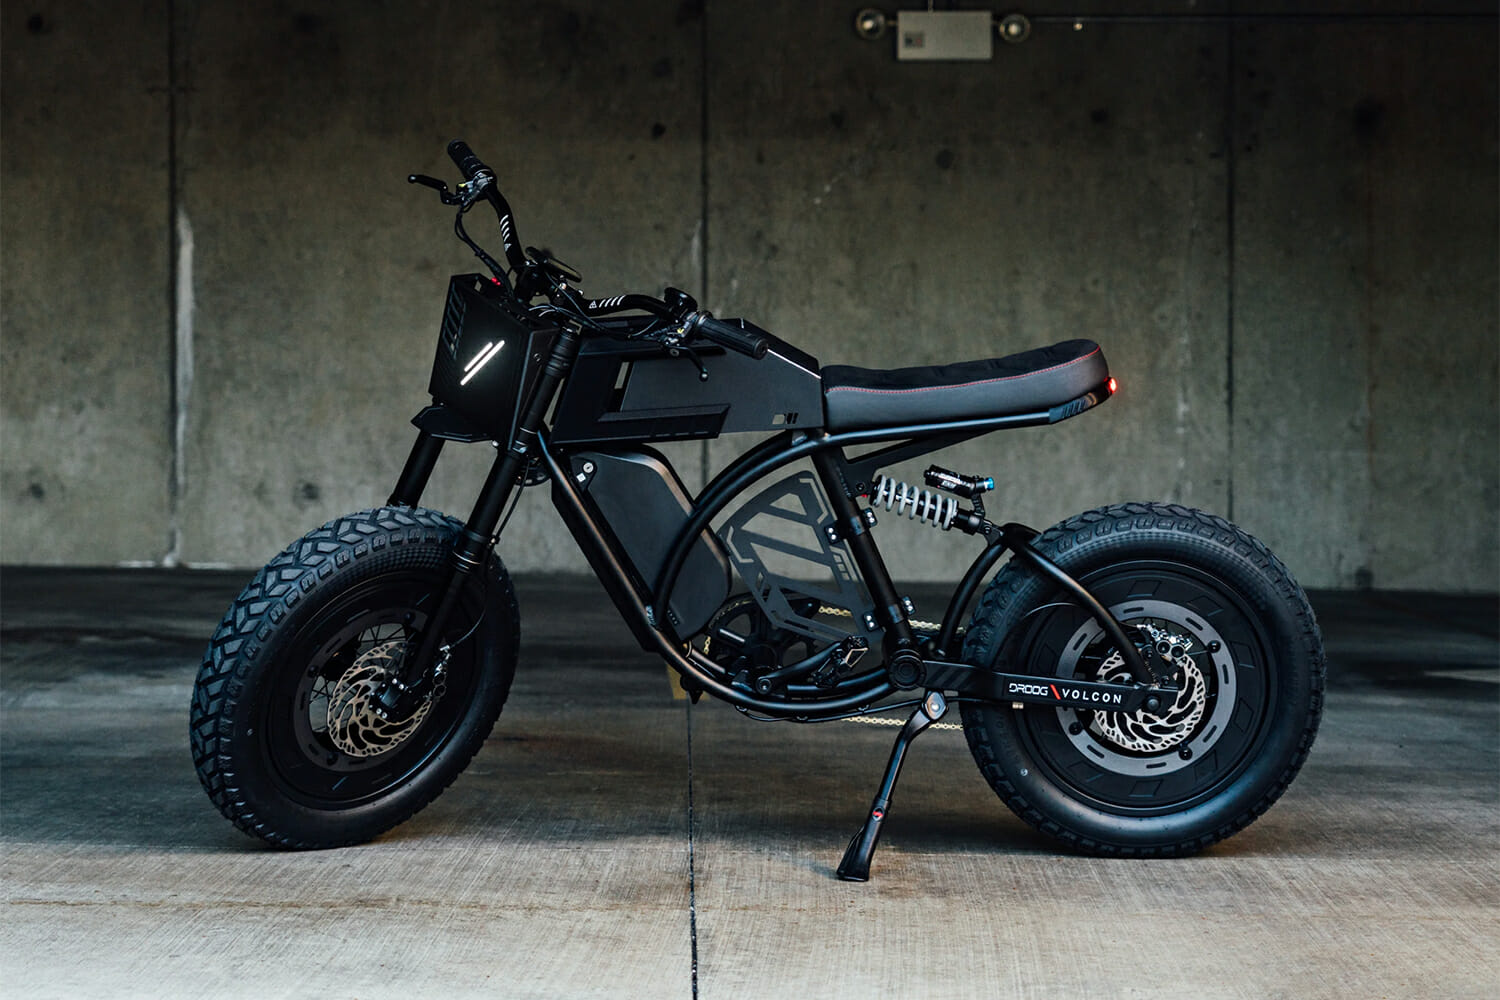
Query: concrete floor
x,y
610,842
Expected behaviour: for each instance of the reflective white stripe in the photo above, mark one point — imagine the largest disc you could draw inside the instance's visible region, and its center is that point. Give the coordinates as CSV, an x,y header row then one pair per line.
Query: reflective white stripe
x,y
475,359
485,355
795,365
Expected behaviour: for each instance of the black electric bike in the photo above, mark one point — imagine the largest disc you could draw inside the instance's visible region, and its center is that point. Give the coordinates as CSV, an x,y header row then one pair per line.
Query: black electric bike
x,y
1139,680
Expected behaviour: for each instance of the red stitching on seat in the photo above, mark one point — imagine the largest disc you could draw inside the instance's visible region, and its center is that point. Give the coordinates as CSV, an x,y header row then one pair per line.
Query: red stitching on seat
x,y
960,385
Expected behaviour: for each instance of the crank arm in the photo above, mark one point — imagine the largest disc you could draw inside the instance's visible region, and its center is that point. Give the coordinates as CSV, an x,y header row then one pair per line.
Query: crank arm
x,y
1037,689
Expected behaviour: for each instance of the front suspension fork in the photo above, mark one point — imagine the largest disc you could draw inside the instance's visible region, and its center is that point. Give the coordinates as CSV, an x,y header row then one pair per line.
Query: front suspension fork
x,y
417,470
400,696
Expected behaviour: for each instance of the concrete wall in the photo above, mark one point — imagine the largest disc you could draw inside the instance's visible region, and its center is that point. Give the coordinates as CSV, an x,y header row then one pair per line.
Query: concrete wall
x,y
85,305
219,296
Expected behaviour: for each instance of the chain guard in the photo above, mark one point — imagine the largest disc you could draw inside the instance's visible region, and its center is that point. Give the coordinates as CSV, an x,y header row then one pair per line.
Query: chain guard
x,y
765,644
761,656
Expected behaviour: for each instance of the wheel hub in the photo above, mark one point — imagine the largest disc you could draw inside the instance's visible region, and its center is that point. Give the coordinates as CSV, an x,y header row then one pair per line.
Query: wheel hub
x,y
354,725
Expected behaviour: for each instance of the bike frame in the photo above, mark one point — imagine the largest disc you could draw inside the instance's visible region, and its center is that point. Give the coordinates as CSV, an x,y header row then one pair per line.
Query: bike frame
x,y
843,480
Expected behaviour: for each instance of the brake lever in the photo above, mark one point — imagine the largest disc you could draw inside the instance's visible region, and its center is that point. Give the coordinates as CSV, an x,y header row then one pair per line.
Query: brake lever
x,y
467,193
447,197
692,355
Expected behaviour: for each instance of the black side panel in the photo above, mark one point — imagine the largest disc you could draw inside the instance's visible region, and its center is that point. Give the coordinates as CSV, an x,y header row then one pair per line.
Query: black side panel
x,y
781,390
616,588
588,409
629,391
448,425
640,498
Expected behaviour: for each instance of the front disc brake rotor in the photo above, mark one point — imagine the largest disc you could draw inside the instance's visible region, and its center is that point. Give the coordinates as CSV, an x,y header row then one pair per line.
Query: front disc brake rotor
x,y
353,724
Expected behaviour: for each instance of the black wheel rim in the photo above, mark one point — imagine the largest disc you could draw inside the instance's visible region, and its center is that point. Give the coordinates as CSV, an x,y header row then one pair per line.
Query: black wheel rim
x,y
303,758
1187,762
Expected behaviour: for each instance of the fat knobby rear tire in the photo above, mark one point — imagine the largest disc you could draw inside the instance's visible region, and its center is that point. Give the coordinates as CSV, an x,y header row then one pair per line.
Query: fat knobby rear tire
x,y
1248,661
283,735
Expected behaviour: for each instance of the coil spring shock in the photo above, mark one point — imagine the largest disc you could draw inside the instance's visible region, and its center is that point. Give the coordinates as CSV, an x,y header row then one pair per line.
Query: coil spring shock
x,y
917,504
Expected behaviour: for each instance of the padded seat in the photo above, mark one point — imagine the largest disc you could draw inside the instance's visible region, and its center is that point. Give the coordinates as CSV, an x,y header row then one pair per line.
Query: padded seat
x,y
1028,382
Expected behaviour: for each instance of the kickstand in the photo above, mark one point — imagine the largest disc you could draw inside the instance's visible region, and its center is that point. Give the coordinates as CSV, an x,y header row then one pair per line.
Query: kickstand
x,y
855,867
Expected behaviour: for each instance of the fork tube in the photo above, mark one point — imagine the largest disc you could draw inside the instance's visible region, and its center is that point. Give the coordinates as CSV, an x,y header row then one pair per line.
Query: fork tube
x,y
474,541
416,472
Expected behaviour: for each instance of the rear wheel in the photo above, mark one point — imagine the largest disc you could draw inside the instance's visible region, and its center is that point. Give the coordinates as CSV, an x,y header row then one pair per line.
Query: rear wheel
x,y
284,732
1248,662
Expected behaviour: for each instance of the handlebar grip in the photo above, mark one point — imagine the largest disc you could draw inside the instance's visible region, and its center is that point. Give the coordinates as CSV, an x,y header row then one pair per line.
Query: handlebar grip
x,y
468,164
727,335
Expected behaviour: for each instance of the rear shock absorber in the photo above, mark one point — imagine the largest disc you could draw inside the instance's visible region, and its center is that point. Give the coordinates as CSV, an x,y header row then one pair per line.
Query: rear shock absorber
x,y
968,487
917,504
928,506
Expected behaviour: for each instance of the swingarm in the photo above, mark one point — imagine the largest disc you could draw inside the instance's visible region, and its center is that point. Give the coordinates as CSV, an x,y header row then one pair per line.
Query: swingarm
x,y
982,684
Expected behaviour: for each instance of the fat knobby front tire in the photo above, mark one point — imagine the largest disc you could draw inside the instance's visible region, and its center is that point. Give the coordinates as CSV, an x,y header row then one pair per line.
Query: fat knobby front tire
x,y
1248,661
284,735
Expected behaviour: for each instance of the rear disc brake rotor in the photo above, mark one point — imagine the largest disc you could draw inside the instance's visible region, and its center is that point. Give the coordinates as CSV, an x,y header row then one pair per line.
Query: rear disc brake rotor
x,y
1143,732
1144,744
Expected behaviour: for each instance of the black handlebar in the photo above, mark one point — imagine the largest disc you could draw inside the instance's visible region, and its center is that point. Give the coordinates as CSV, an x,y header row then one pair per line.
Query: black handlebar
x,y
468,164
728,335
472,167
736,338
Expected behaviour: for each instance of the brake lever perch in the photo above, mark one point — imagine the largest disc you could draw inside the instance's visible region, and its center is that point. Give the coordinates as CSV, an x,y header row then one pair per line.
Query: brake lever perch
x,y
468,192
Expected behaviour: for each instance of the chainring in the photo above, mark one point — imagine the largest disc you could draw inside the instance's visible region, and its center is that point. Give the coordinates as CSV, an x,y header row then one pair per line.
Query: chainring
x,y
764,646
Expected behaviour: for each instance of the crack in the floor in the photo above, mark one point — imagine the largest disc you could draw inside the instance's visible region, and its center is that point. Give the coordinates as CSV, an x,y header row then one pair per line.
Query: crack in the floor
x,y
692,859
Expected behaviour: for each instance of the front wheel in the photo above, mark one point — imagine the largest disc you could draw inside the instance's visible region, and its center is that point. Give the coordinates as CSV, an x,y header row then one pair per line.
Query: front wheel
x,y
284,732
1248,662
